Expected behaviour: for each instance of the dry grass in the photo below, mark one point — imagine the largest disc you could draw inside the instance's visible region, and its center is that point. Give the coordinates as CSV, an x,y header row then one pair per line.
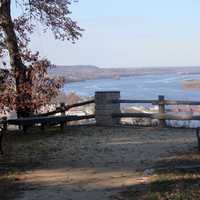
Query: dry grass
x,y
181,182
98,163
175,185
9,186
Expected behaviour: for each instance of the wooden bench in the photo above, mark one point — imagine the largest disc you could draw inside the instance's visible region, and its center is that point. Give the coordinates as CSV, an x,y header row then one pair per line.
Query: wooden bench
x,y
43,121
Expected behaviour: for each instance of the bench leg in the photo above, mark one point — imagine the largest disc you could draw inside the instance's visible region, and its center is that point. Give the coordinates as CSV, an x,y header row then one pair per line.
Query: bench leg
x,y
1,142
198,138
2,132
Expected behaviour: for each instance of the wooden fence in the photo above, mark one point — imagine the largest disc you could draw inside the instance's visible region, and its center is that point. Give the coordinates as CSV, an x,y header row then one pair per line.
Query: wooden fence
x,y
107,106
162,115
107,113
45,119
49,118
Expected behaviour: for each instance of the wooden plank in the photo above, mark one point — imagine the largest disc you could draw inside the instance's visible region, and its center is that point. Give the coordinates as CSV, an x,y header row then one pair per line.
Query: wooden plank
x,y
136,101
173,102
57,110
78,104
132,115
156,102
159,116
66,108
47,120
166,116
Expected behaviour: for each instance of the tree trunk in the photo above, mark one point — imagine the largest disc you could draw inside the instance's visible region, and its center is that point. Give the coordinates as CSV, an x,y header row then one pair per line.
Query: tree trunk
x,y
19,69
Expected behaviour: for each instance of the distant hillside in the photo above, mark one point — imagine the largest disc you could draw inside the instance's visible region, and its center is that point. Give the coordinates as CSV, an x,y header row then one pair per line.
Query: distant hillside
x,y
87,72
76,72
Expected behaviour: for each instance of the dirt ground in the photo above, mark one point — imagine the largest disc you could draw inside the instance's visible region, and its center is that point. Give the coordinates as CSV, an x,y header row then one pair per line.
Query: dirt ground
x,y
93,163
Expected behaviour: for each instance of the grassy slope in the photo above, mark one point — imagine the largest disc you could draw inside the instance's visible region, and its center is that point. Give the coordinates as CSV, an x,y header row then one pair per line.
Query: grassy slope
x,y
181,182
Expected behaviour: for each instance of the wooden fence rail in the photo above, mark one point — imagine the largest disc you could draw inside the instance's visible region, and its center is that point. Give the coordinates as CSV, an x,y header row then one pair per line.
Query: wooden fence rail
x,y
190,103
47,120
135,101
64,108
159,116
156,102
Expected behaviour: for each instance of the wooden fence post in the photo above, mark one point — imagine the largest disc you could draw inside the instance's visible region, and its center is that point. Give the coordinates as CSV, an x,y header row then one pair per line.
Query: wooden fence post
x,y
161,105
62,106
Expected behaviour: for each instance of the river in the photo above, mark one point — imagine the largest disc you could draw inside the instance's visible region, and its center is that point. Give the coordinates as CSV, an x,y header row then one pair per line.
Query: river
x,y
140,87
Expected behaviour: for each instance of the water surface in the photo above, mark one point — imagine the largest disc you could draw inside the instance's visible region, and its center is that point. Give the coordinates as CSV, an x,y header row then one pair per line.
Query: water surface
x,y
139,87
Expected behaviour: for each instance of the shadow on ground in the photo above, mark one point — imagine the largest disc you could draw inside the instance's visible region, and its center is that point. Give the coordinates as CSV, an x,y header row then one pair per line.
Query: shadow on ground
x,y
93,163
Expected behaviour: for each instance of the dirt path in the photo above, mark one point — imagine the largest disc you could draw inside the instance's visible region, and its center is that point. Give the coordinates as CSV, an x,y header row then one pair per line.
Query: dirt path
x,y
96,163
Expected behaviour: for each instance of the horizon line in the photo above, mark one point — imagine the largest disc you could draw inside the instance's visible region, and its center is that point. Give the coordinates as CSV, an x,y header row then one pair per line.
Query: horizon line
x,y
162,66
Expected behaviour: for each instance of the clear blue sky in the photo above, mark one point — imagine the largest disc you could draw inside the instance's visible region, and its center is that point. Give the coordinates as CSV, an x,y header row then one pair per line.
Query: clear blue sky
x,y
130,33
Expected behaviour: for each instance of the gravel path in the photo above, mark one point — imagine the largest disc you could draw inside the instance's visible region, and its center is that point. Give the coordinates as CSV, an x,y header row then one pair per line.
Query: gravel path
x,y
92,163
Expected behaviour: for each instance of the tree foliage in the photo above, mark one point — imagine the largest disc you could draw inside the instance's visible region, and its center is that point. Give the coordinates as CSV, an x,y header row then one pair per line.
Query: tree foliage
x,y
27,86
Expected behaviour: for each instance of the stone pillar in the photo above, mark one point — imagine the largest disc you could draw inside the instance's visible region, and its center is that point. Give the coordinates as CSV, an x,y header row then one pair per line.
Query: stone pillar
x,y
104,108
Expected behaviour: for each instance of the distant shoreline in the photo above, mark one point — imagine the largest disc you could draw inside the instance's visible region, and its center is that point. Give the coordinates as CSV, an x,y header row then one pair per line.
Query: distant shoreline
x,y
83,73
136,75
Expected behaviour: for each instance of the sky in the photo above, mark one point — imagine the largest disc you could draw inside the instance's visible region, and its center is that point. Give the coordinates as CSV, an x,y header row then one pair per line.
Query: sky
x,y
129,33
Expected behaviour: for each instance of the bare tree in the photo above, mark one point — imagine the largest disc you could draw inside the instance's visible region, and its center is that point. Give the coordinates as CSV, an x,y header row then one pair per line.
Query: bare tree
x,y
28,67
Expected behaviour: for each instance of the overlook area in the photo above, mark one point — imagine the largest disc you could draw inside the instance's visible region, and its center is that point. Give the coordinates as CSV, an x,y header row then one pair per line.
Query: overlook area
x,y
101,163
99,100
